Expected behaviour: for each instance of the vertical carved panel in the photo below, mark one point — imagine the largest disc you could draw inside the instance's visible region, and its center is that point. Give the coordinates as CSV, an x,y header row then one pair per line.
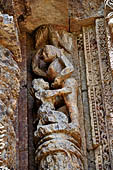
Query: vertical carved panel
x,y
84,91
97,113
107,80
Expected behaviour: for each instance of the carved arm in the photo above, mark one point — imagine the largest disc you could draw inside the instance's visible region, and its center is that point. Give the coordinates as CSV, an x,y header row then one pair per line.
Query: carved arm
x,y
65,73
59,92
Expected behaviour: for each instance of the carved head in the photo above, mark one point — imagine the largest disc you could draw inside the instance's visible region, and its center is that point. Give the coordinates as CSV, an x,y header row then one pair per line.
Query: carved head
x,y
40,84
50,52
41,36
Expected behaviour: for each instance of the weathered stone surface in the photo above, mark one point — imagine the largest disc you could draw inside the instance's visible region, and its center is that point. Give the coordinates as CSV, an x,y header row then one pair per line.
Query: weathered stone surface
x,y
6,7
9,35
40,12
84,13
86,8
109,28
54,134
9,91
65,14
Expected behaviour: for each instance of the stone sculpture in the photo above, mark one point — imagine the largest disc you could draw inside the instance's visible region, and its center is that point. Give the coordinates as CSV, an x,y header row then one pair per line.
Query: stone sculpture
x,y
59,69
46,112
57,138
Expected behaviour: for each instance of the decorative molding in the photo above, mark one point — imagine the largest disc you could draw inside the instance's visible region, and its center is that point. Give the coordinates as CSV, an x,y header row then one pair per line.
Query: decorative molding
x,y
106,79
97,112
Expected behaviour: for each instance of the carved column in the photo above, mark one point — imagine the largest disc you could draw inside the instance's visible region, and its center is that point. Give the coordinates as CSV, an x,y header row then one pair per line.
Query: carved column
x,y
9,90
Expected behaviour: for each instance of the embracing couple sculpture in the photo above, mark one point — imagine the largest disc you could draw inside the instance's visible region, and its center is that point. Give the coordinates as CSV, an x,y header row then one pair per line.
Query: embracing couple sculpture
x,y
57,137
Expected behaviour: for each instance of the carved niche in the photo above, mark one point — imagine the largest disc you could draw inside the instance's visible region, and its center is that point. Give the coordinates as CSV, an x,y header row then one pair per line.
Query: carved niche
x,y
57,137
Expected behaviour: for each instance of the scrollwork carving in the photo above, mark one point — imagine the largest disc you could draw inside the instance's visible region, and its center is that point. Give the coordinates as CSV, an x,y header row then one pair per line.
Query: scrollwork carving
x,y
106,77
95,93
